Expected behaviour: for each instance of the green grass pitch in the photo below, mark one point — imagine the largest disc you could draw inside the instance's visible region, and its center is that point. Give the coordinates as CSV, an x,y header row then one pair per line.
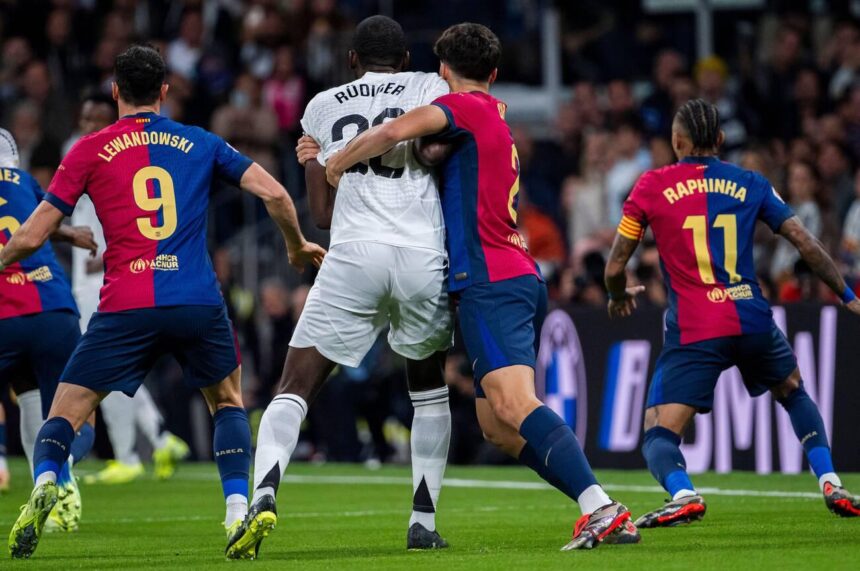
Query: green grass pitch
x,y
347,517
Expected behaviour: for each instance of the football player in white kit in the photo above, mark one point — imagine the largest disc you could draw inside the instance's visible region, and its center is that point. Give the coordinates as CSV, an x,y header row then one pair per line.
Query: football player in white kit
x,y
386,267
123,416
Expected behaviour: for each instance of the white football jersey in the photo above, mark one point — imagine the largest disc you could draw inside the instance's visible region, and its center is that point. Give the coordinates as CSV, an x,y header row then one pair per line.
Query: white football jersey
x,y
84,284
391,199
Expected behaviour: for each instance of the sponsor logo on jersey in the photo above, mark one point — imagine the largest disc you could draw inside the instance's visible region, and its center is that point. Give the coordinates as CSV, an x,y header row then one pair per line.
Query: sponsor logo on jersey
x,y
734,293
162,262
518,240
41,274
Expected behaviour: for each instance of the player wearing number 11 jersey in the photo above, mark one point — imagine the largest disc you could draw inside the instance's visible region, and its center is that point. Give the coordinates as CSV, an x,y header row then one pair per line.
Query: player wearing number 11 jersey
x,y
703,213
149,180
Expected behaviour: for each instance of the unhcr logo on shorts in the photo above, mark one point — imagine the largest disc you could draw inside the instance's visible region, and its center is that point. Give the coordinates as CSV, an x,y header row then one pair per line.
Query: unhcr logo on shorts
x,y
162,262
560,371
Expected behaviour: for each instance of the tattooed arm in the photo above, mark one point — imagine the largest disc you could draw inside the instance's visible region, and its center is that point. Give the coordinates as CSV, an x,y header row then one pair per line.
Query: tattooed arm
x,y
621,298
816,257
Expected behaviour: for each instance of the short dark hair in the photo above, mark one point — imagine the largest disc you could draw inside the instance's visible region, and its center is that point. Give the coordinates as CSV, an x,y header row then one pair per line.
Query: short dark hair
x,y
379,40
139,72
471,50
701,120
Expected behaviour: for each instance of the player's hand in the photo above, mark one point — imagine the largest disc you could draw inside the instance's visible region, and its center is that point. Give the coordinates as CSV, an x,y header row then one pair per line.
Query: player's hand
x,y
624,306
307,149
82,237
333,172
308,253
853,306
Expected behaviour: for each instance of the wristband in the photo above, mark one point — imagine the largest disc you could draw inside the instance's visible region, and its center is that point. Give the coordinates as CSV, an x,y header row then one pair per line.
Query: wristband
x,y
848,295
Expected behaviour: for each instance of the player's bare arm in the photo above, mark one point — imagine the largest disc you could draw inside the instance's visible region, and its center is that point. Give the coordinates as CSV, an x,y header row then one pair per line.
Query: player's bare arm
x,y
421,121
622,300
78,236
814,254
282,210
320,194
32,234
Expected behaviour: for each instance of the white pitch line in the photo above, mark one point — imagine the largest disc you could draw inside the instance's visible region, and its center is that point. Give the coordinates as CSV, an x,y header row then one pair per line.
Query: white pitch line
x,y
511,485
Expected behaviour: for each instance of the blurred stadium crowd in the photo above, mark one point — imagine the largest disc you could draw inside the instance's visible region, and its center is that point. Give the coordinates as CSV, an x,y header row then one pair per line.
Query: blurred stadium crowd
x,y
786,80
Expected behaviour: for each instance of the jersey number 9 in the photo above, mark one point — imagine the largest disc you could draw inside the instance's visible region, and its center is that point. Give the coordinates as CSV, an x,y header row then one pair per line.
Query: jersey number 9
x,y
165,203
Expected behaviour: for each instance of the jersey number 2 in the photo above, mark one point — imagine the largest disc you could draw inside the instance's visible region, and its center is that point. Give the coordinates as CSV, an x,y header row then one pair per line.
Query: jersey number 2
x,y
362,125
166,202
699,226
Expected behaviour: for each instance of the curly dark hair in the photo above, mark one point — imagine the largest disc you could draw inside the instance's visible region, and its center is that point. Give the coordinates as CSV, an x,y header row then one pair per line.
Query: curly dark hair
x,y
139,73
471,50
379,40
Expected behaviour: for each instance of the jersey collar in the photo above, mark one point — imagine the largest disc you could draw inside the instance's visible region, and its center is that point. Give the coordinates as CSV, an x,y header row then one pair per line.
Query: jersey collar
x,y
141,114
700,160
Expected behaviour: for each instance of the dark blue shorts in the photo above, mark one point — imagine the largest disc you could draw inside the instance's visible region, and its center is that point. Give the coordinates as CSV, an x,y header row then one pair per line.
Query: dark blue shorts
x,y
38,346
119,348
687,374
500,323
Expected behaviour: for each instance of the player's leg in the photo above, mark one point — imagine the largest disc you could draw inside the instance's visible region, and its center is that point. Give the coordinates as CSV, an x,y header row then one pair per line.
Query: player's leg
x,y
118,414
422,331
25,387
5,479
168,449
430,438
683,383
498,321
72,405
768,362
114,354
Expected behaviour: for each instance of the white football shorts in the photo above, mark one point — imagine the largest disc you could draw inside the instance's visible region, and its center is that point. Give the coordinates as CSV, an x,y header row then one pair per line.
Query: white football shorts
x,y
364,287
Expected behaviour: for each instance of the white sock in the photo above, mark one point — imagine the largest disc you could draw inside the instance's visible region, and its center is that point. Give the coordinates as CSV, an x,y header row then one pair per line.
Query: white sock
x,y
46,477
30,405
685,493
237,508
592,499
118,414
276,440
829,477
149,420
431,434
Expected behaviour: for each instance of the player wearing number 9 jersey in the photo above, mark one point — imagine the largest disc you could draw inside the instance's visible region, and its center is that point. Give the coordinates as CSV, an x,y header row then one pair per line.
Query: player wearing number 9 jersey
x,y
149,180
502,297
703,214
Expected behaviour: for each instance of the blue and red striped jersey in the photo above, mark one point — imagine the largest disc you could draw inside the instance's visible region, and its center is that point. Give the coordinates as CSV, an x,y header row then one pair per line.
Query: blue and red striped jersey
x,y
149,179
480,193
703,212
36,283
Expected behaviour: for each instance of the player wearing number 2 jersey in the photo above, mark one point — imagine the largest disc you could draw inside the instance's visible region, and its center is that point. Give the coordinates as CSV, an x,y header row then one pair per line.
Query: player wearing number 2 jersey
x,y
502,297
703,213
149,181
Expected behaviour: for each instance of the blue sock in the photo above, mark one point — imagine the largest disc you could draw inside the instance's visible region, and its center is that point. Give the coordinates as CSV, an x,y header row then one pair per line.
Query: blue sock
x,y
662,452
2,439
555,446
232,445
52,447
83,442
809,428
529,458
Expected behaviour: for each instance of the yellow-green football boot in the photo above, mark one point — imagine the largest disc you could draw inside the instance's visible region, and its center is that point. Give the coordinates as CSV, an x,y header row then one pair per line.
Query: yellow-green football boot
x,y
245,536
66,515
25,534
168,456
115,472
